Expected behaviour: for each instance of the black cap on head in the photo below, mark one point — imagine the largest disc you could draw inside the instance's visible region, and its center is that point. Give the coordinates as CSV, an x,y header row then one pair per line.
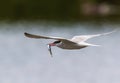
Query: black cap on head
x,y
56,42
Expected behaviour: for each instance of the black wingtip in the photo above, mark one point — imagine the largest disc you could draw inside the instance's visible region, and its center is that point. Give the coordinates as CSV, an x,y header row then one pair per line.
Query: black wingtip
x,y
26,34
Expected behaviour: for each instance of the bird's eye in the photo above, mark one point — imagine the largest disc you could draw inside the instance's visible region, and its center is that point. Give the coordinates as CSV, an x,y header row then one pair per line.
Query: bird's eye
x,y
57,42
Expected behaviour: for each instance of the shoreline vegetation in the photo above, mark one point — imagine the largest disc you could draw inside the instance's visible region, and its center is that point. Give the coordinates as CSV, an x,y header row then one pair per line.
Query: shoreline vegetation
x,y
60,10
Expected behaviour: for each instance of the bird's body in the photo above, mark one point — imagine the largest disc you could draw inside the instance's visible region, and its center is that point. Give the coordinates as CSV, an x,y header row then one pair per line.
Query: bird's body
x,y
70,46
77,42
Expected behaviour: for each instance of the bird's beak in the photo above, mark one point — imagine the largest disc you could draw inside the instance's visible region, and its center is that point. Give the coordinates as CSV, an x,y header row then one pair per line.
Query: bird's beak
x,y
49,49
52,44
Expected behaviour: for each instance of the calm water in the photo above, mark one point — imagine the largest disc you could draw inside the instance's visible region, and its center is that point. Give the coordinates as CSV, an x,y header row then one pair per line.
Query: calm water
x,y
25,60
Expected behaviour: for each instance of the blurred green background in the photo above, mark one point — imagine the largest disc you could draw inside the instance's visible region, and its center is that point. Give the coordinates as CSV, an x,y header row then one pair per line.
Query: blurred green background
x,y
60,10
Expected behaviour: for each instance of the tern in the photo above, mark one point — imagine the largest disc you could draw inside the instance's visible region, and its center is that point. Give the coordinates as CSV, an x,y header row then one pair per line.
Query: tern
x,y
77,42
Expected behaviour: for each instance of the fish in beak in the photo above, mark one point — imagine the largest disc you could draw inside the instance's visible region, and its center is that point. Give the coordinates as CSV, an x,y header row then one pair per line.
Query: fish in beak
x,y
49,49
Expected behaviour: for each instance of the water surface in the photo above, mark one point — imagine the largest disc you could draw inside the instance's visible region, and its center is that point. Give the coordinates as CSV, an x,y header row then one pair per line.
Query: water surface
x,y
25,60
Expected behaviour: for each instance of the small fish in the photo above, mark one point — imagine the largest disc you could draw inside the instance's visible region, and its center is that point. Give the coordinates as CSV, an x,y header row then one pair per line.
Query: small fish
x,y
49,49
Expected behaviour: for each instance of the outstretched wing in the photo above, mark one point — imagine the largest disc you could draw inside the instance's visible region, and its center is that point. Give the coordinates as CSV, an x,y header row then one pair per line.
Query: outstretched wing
x,y
64,40
41,37
83,38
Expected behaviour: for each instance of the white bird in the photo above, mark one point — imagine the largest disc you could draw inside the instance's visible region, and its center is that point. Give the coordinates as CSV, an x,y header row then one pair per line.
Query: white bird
x,y
77,42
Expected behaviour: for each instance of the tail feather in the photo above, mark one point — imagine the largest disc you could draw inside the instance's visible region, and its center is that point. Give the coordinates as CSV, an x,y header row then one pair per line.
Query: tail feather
x,y
88,44
94,45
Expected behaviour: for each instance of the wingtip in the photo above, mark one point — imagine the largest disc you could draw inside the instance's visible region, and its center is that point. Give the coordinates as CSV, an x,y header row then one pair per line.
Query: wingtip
x,y
110,32
26,34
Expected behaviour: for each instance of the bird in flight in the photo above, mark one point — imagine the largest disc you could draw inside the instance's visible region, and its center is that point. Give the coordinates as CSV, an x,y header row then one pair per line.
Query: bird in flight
x,y
77,42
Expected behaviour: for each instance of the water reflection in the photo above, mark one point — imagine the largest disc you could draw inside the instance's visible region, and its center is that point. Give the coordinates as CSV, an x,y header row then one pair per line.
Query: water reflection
x,y
25,60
